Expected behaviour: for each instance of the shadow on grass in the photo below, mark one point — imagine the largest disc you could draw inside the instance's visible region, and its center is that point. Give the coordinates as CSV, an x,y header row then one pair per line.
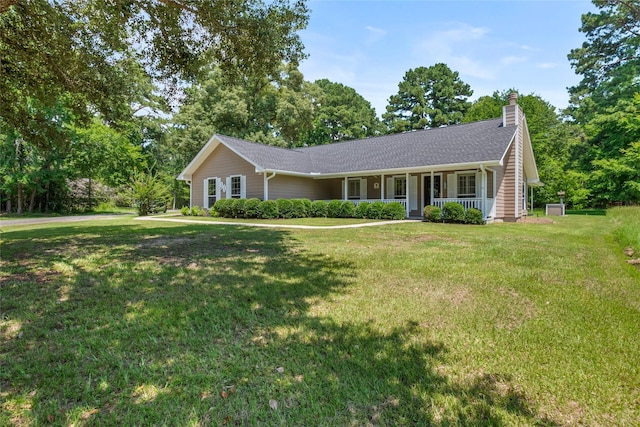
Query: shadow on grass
x,y
124,325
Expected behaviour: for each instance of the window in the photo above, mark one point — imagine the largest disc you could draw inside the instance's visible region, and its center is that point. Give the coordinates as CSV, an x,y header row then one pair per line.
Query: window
x,y
467,185
211,191
236,187
400,188
354,189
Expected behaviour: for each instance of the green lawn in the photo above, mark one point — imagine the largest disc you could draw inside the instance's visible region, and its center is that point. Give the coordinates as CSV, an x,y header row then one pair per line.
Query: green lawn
x,y
130,322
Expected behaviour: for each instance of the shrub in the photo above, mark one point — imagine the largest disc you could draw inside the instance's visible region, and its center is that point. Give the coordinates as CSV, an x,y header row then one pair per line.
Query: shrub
x,y
284,208
432,213
298,209
333,208
473,216
453,212
237,207
251,208
185,211
394,210
347,209
361,210
268,209
307,206
149,193
195,211
223,207
319,209
374,210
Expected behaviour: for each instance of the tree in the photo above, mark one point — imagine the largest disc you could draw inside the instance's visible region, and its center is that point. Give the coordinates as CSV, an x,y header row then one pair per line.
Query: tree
x,y
613,41
427,97
273,111
555,144
611,153
608,60
341,114
88,50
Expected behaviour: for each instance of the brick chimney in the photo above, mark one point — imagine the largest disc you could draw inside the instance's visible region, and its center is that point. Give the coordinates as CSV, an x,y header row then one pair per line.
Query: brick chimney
x,y
512,113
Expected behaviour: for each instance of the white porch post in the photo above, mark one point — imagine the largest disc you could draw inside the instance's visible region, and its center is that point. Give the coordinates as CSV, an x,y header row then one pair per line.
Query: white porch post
x,y
346,188
432,188
406,194
531,189
265,186
483,192
382,187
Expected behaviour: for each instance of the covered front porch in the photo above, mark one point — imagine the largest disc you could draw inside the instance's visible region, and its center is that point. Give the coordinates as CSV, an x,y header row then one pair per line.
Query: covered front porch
x,y
472,188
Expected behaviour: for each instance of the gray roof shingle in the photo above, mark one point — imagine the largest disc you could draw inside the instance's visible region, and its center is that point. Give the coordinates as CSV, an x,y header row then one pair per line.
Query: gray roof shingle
x,y
476,142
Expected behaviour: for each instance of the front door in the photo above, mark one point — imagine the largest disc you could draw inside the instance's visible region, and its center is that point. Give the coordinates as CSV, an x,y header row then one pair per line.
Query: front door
x,y
426,188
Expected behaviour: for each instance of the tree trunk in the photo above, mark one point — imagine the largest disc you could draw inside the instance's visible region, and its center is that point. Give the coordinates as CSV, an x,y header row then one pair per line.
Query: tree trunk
x,y
46,198
32,201
9,203
20,201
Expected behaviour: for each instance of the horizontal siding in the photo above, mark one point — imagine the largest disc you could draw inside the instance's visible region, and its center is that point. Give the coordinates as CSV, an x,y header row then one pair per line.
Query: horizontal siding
x,y
294,187
223,163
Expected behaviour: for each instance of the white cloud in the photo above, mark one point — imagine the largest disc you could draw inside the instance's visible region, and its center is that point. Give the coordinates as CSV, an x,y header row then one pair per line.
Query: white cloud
x,y
547,65
375,33
452,46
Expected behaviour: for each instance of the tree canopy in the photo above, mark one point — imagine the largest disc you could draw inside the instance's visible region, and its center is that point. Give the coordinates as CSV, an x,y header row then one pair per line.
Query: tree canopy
x,y
341,114
87,51
427,97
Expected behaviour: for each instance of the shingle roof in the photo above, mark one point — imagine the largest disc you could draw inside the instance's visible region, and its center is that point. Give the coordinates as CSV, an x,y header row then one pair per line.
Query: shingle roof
x,y
476,142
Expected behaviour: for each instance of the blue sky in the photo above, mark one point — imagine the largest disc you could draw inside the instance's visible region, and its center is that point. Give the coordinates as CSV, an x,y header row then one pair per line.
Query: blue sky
x,y
494,45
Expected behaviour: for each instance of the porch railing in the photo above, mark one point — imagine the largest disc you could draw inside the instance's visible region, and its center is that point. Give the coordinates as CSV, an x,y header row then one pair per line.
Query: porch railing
x,y
467,203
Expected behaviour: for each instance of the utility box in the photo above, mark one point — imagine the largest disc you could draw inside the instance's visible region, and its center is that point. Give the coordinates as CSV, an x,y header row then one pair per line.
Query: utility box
x,y
555,209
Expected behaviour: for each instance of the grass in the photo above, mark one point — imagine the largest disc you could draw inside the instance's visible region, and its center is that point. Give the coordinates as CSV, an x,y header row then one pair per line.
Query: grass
x,y
586,212
145,323
318,222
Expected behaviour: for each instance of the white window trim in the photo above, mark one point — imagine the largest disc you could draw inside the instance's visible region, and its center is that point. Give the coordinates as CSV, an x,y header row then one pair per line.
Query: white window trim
x,y
205,201
475,185
349,195
243,187
404,187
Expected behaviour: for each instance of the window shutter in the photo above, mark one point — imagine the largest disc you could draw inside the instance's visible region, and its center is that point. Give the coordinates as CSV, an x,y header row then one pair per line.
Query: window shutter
x,y
413,193
390,188
363,188
478,184
205,196
452,185
218,185
243,187
227,190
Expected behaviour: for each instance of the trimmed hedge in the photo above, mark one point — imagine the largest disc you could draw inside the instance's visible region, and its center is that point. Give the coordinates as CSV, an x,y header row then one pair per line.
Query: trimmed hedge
x,y
453,212
251,208
299,208
237,208
224,207
473,216
361,210
319,209
374,210
347,209
285,208
432,213
333,208
394,210
268,209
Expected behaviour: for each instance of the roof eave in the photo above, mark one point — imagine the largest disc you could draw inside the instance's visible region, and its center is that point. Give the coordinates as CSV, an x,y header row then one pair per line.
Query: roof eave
x,y
393,171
